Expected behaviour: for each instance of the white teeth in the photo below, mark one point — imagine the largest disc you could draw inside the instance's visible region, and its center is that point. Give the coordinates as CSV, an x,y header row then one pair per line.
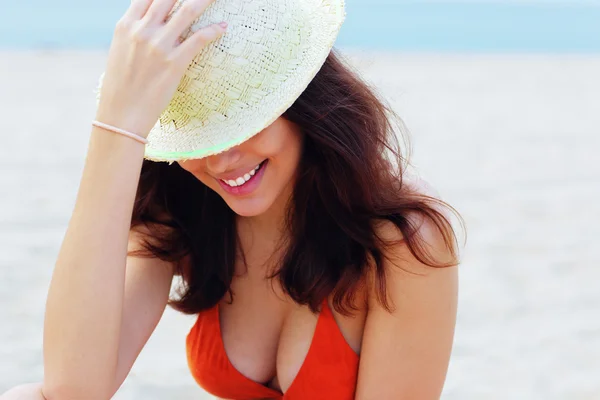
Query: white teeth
x,y
242,179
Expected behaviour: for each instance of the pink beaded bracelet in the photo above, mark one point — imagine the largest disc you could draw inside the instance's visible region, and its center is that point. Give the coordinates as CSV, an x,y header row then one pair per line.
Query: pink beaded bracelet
x,y
120,131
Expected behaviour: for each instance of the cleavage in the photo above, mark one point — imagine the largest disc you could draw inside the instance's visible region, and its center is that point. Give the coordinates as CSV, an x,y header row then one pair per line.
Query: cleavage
x,y
265,338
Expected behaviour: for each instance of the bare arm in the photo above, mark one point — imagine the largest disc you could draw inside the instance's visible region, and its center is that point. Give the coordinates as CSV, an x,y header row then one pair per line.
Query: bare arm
x,y
87,346
147,284
84,308
406,352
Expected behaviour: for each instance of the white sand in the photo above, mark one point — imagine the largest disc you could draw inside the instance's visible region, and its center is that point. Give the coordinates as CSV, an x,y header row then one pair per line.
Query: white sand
x,y
511,141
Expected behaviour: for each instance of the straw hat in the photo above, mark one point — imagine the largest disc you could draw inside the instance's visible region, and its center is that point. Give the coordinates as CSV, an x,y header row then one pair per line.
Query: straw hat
x,y
242,82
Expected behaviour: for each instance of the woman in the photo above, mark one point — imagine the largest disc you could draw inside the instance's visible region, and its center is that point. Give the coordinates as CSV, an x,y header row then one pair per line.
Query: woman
x,y
317,270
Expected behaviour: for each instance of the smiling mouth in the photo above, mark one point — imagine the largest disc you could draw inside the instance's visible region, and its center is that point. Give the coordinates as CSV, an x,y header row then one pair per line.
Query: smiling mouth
x,y
244,179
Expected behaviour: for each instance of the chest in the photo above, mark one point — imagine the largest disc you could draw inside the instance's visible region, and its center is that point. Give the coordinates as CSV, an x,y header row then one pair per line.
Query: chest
x,y
267,337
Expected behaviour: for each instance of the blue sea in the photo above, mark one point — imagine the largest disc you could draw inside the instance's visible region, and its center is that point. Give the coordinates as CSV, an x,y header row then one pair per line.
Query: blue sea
x,y
548,26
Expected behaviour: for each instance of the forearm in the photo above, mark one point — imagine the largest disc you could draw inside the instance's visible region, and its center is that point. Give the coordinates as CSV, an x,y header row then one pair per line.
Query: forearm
x,y
85,298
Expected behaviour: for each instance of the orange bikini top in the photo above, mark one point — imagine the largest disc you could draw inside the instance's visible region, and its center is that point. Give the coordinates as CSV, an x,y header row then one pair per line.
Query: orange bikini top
x,y
329,370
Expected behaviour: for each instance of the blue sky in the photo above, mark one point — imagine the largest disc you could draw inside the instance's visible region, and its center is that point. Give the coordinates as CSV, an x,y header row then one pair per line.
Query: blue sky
x,y
442,25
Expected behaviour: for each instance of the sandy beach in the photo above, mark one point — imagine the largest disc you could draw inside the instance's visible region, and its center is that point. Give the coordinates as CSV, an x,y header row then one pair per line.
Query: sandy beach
x,y
510,141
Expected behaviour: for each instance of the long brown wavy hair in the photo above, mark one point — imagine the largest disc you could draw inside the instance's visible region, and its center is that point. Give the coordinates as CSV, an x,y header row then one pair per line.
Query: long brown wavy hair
x,y
351,177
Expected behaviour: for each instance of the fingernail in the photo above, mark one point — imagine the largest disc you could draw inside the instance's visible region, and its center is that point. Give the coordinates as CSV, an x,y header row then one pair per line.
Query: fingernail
x,y
223,24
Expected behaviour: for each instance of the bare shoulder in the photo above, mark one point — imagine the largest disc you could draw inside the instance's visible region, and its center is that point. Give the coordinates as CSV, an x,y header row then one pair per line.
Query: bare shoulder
x,y
408,336
429,234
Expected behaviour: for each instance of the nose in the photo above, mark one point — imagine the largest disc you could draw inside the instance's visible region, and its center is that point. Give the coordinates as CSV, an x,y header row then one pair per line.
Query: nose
x,y
219,163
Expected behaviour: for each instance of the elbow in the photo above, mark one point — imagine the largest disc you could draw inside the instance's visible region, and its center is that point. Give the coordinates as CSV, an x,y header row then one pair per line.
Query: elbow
x,y
64,381
68,391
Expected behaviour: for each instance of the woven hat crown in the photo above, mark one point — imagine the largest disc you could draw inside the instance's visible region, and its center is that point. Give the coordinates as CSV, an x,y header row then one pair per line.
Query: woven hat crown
x,y
242,82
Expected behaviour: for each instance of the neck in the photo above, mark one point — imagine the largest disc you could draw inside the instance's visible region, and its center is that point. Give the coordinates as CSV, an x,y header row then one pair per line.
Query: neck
x,y
270,226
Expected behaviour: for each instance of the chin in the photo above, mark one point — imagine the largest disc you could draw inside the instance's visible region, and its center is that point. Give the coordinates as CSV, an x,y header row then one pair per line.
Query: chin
x,y
248,207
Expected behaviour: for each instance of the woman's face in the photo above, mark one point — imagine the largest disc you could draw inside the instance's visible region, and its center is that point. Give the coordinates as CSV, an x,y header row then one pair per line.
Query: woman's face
x,y
253,176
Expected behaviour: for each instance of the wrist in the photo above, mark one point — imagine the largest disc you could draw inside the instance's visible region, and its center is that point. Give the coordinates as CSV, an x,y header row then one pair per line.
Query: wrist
x,y
126,122
120,131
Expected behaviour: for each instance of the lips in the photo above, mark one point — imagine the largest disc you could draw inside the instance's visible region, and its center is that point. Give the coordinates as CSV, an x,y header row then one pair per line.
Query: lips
x,y
244,184
241,180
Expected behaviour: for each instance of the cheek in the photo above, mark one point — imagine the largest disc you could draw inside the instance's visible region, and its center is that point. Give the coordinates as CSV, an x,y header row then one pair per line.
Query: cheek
x,y
292,147
206,179
286,163
198,169
280,147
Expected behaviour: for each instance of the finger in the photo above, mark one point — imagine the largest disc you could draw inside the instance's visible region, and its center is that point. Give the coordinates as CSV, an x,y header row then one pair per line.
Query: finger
x,y
197,41
159,10
184,17
137,9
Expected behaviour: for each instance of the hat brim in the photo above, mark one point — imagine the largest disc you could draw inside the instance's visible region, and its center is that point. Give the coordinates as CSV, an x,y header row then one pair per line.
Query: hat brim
x,y
231,92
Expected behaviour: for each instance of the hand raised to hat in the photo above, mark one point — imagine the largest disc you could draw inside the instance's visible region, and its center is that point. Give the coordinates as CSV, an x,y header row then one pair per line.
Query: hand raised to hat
x,y
147,60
